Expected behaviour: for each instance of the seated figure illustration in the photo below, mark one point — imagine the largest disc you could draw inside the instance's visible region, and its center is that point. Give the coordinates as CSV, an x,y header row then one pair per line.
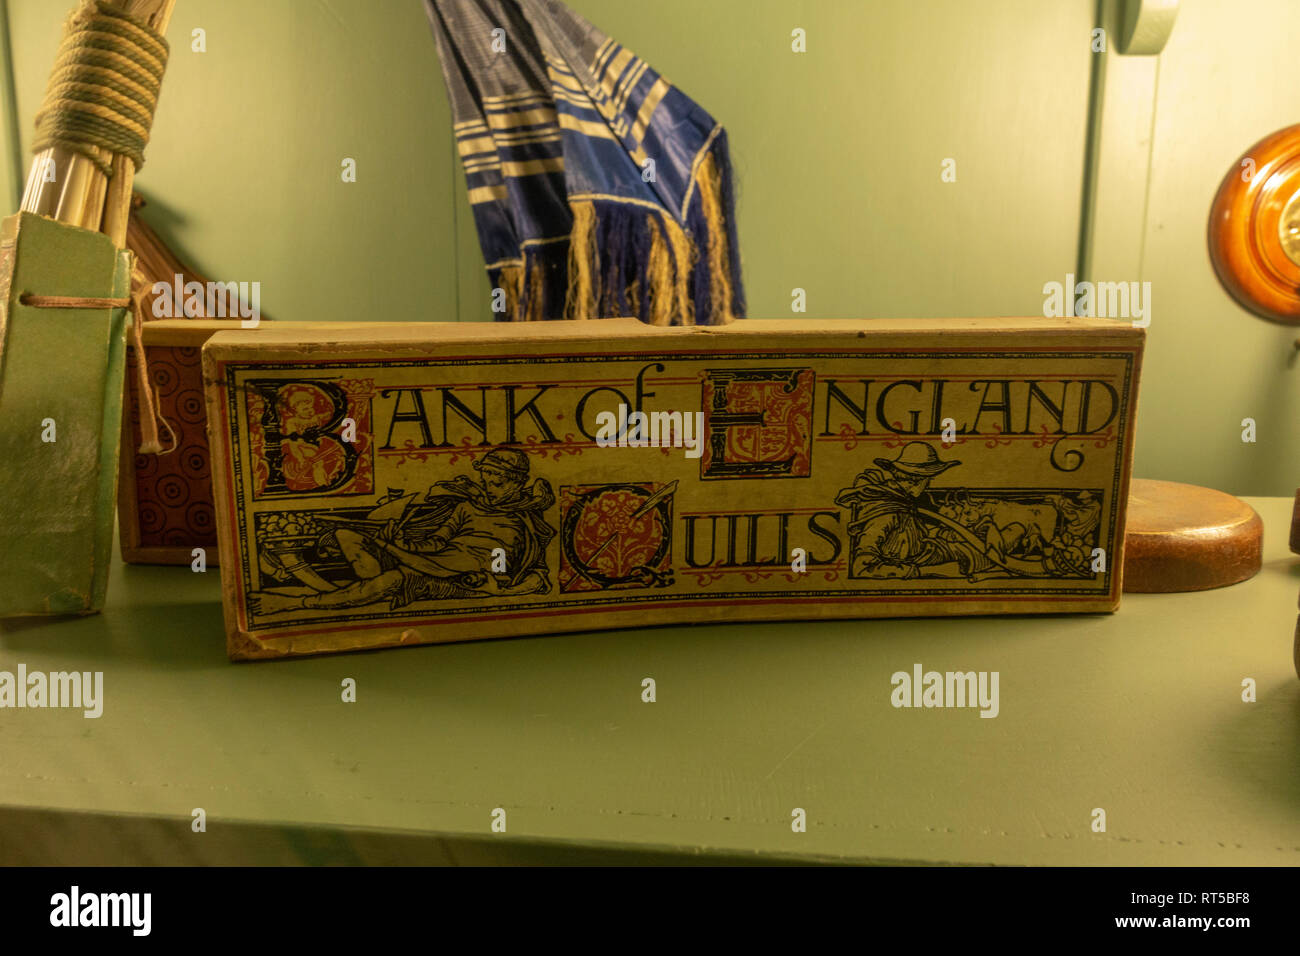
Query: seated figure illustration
x,y
891,535
310,460
467,539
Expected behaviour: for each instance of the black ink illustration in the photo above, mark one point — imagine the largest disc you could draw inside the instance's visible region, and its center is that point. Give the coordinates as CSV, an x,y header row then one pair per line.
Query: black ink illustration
x,y
468,538
900,527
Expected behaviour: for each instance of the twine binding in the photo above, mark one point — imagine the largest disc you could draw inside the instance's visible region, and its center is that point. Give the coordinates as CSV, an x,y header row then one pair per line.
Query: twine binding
x,y
103,90
150,409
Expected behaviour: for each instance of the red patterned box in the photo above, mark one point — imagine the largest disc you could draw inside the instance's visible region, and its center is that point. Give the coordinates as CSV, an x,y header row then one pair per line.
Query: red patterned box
x,y
164,502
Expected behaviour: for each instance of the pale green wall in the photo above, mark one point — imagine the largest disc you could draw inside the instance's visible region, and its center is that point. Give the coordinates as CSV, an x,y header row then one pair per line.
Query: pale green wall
x,y
11,165
244,162
1226,80
837,150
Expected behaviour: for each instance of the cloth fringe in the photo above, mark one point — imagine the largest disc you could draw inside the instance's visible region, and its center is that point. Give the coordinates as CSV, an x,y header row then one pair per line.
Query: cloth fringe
x,y
720,292
659,268
623,259
627,259
511,281
535,293
584,262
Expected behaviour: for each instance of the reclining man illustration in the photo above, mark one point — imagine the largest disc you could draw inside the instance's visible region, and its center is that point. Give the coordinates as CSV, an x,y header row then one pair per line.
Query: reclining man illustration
x,y
467,538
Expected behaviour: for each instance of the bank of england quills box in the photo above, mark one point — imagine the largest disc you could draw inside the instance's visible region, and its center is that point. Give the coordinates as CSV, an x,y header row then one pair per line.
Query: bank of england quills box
x,y
382,485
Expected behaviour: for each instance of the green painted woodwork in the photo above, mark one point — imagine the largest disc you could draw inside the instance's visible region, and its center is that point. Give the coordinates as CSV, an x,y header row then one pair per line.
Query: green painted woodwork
x,y
1139,713
60,417
838,151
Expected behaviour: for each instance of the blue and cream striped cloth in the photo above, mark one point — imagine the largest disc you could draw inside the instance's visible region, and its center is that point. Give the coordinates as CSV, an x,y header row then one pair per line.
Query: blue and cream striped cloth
x,y
598,188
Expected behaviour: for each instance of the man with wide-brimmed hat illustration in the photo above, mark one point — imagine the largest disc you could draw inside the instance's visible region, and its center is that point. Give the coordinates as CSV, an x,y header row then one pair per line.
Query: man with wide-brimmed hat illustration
x,y
467,539
889,536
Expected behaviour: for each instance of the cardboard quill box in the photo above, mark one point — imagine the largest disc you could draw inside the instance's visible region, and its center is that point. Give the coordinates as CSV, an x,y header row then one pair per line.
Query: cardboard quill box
x,y
384,485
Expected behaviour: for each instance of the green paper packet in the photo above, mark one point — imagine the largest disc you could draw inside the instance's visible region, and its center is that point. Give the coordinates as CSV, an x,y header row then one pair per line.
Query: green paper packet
x,y
61,376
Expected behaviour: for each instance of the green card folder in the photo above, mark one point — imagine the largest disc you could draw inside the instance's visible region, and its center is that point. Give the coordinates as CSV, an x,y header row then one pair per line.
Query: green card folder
x,y
60,415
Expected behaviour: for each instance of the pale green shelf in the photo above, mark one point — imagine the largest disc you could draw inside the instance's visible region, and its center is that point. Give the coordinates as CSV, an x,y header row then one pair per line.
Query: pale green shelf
x,y
1139,713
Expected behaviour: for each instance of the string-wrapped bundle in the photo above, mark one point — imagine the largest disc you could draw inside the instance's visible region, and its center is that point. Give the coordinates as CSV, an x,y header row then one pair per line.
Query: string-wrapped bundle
x,y
65,292
104,87
598,188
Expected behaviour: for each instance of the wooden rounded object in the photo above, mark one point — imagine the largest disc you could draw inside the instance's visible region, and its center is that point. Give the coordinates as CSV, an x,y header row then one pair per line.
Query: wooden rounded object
x,y
1187,538
1254,232
1295,654
1295,525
